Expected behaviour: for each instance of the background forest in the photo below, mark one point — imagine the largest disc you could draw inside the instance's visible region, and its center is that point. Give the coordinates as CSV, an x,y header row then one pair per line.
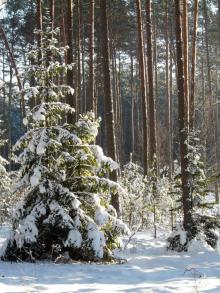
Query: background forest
x,y
149,70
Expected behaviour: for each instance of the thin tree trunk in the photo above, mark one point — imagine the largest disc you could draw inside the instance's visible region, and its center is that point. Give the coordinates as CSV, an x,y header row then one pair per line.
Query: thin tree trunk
x,y
193,68
157,100
14,66
171,99
79,98
70,75
92,102
219,23
186,53
109,114
119,114
217,138
183,133
143,84
205,16
152,120
132,104
168,90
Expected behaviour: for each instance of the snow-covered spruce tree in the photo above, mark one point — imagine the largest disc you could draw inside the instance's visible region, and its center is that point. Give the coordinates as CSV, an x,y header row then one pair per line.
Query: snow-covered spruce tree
x,y
206,225
65,209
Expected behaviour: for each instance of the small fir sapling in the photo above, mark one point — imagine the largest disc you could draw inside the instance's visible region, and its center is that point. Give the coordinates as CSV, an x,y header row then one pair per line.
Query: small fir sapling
x,y
134,203
66,205
139,205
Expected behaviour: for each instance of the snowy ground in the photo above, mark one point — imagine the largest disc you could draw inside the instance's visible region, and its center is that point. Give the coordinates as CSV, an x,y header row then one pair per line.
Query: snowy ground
x,y
149,269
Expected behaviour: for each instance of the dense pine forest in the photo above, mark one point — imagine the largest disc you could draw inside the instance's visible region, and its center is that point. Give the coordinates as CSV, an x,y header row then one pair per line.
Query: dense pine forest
x,y
110,145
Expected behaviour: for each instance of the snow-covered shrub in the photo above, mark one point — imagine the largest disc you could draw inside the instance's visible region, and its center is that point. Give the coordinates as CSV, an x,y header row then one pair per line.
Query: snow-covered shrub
x,y
134,203
66,205
147,202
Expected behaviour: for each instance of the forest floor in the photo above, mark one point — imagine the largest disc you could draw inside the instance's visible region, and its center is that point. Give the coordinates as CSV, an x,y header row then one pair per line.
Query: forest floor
x,y
149,268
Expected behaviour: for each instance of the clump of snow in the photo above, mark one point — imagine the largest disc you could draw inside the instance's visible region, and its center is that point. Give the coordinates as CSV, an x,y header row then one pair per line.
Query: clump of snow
x,y
35,178
97,239
42,143
25,121
101,158
42,189
101,216
39,115
76,203
74,238
27,231
199,245
179,231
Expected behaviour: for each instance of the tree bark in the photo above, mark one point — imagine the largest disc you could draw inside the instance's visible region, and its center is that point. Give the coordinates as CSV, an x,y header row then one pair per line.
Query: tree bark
x,y
92,102
168,97
152,120
193,68
219,23
183,133
143,84
132,104
70,75
109,114
186,53
14,66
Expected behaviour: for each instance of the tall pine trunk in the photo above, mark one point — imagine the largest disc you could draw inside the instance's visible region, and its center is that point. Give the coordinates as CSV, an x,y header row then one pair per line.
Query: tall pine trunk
x,y
152,119
92,102
71,100
193,68
143,83
109,113
183,122
186,54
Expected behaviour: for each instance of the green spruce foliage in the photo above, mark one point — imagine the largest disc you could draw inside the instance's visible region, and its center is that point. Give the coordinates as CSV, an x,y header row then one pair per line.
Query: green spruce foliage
x,y
66,207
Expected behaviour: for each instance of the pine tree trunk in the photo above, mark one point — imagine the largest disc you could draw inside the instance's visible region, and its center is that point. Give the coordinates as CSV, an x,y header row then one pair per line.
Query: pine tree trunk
x,y
217,159
157,99
171,95
205,16
91,103
132,104
193,68
183,115
14,66
168,98
152,120
109,114
186,54
79,98
143,84
70,75
219,23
